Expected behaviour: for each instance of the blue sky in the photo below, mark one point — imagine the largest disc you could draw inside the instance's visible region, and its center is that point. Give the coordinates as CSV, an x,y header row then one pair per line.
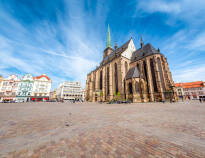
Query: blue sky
x,y
65,39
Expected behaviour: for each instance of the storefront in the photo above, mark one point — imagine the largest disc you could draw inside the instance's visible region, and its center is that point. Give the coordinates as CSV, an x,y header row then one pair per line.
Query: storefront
x,y
39,99
8,99
21,99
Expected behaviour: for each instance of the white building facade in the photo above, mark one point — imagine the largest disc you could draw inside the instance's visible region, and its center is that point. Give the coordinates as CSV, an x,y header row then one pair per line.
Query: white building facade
x,y
41,88
69,90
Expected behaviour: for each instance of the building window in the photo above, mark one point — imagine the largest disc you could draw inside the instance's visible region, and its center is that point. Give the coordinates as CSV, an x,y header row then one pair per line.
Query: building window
x,y
160,74
101,79
145,73
126,67
130,88
136,87
153,76
108,80
138,67
116,79
145,70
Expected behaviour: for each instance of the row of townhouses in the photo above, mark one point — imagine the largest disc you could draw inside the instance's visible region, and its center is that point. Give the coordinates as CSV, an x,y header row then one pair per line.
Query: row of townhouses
x,y
28,88
191,90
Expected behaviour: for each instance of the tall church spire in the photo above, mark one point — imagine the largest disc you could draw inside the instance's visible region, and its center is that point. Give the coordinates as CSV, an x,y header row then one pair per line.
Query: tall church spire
x,y
108,38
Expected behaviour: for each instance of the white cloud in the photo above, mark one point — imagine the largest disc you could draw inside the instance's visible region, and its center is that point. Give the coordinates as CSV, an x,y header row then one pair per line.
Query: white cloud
x,y
160,6
198,42
39,51
186,10
190,73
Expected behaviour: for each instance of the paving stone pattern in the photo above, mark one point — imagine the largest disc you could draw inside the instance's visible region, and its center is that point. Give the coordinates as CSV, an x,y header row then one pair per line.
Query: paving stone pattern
x,y
92,130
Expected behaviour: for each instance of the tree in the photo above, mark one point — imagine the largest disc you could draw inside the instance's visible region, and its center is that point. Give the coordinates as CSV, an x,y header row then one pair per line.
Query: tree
x,y
101,95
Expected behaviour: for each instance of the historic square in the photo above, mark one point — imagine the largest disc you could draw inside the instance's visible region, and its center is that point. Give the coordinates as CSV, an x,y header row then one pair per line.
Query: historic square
x,y
148,130
102,79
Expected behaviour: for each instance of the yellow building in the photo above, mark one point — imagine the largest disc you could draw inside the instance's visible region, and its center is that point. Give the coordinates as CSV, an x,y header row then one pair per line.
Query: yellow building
x,y
53,95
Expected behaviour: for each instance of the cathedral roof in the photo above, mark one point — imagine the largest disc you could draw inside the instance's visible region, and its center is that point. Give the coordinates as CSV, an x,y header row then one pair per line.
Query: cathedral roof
x,y
133,73
145,51
116,52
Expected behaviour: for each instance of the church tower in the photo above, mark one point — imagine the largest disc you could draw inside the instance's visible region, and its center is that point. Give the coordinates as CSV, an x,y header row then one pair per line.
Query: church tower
x,y
109,48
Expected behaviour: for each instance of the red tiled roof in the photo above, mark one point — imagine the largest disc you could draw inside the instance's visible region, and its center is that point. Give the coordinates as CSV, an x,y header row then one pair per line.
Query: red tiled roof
x,y
190,84
178,84
38,77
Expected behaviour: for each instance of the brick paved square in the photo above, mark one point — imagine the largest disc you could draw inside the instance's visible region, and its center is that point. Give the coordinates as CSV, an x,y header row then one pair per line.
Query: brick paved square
x,y
84,130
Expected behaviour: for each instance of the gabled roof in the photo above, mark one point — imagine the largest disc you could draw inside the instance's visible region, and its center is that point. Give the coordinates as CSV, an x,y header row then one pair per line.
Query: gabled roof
x,y
118,51
133,73
146,50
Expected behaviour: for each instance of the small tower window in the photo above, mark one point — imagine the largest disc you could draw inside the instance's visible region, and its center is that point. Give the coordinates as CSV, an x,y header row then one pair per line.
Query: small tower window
x,y
130,88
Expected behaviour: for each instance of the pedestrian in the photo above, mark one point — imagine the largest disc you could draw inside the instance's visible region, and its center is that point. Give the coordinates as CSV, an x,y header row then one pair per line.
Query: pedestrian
x,y
200,100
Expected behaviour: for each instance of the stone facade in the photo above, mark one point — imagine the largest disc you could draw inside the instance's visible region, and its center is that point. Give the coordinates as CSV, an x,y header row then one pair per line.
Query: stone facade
x,y
125,73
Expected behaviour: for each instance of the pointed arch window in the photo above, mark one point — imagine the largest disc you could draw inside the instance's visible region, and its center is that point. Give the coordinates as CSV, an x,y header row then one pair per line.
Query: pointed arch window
x,y
137,87
160,73
130,87
138,66
116,78
126,67
146,75
145,70
153,76
101,80
108,80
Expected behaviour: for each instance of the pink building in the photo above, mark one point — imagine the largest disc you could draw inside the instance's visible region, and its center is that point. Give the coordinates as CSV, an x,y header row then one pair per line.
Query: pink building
x,y
9,87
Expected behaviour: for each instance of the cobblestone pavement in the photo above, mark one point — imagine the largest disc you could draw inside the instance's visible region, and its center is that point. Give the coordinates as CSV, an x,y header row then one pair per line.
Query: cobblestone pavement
x,y
84,130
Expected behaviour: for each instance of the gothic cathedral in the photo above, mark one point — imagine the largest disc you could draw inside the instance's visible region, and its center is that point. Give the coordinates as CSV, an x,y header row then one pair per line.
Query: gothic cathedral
x,y
125,73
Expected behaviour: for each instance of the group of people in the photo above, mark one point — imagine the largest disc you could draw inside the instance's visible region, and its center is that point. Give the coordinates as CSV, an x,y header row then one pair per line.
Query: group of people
x,y
201,100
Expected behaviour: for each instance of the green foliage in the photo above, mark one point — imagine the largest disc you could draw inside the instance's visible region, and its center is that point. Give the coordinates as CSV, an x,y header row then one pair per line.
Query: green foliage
x,y
118,94
115,94
101,93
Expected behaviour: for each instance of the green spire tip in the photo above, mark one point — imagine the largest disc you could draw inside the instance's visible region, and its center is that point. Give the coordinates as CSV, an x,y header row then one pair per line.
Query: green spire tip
x,y
108,38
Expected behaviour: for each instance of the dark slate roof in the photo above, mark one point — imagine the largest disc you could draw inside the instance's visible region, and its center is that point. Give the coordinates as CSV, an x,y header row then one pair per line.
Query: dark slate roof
x,y
133,73
143,52
116,52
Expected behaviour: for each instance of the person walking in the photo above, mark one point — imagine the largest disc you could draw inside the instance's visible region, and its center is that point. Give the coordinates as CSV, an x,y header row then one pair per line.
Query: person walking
x,y
200,100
